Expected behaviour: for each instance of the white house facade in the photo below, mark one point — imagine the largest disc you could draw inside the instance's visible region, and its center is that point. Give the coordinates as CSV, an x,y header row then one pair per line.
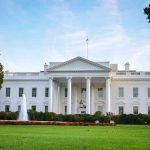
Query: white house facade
x,y
78,86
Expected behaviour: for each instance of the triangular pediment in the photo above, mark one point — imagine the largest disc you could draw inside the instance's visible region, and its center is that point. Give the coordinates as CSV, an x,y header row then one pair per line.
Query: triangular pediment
x,y
79,64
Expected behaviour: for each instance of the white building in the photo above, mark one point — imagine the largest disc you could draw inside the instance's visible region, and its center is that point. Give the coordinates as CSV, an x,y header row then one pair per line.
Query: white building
x,y
78,86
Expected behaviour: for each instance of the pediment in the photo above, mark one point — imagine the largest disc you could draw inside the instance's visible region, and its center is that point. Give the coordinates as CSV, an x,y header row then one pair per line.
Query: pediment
x,y
135,103
6,102
79,64
121,103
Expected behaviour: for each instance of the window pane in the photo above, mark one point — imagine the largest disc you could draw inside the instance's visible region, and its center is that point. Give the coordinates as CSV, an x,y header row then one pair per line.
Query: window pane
x,y
33,108
100,108
7,108
100,92
83,92
66,92
149,110
121,110
149,92
46,108
46,92
135,92
135,109
33,92
7,92
20,92
121,92
19,107
65,109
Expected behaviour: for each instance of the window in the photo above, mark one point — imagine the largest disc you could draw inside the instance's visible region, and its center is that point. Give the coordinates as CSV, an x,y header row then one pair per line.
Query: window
x,y
34,92
7,92
33,108
46,92
149,110
121,92
149,92
46,108
135,92
20,92
135,109
100,108
83,112
7,108
19,107
66,91
121,110
83,92
100,92
65,109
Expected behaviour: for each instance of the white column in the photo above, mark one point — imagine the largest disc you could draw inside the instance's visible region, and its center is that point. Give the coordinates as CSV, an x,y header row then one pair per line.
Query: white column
x,y
92,100
75,99
107,95
69,96
58,96
87,95
50,102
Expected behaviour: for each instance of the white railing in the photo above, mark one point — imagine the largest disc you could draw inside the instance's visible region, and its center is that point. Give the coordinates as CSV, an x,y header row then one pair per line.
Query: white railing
x,y
124,74
25,75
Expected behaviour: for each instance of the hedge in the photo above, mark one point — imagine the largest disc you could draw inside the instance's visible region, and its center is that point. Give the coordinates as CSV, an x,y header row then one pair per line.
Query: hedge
x,y
131,119
48,116
8,115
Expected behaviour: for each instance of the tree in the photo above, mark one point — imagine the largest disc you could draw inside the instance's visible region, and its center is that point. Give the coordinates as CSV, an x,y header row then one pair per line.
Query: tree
x,y
1,75
147,12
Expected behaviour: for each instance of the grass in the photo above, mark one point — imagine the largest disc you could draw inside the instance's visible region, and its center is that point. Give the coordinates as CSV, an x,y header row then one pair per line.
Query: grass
x,y
30,137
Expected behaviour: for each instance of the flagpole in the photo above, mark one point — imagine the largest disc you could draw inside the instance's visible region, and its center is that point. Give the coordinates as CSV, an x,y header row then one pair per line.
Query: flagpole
x,y
87,40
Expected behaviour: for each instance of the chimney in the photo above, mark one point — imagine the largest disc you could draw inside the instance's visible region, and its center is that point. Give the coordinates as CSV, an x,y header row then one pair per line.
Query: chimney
x,y
127,66
45,67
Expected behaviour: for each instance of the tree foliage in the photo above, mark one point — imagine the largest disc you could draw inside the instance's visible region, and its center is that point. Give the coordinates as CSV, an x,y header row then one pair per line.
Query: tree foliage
x,y
147,12
1,75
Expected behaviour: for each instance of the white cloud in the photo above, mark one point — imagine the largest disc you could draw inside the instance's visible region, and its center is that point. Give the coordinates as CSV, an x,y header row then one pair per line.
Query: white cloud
x,y
112,6
140,58
115,37
61,14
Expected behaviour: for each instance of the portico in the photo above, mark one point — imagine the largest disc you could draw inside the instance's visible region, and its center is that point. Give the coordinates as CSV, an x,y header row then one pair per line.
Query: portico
x,y
78,93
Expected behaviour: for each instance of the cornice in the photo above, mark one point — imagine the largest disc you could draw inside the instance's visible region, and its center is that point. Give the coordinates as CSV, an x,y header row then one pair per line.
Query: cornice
x,y
26,79
85,71
131,79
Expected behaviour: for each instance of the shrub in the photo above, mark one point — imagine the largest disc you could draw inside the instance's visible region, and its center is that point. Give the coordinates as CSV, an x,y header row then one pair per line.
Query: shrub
x,y
132,119
49,116
8,115
98,113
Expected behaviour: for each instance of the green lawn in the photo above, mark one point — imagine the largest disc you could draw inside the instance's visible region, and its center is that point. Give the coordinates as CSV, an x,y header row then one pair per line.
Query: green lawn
x,y
29,137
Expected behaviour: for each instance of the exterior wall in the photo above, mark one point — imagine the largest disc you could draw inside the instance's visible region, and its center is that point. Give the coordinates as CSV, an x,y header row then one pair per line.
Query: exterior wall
x,y
59,100
14,100
142,101
128,101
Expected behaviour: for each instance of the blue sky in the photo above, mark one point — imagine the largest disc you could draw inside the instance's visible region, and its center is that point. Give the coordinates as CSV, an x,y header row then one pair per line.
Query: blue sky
x,y
39,31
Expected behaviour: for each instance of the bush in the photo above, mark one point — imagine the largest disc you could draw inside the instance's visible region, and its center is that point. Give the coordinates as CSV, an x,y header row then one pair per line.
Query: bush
x,y
8,115
132,119
98,113
49,116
